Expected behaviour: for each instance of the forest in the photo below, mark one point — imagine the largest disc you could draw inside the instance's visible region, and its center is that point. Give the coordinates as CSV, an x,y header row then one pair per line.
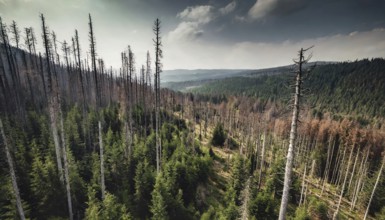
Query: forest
x,y
80,140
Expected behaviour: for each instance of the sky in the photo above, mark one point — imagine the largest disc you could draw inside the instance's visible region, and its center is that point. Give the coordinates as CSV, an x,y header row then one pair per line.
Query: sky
x,y
213,34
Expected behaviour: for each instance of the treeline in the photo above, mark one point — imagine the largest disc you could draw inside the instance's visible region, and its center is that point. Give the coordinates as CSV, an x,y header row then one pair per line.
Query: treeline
x,y
349,88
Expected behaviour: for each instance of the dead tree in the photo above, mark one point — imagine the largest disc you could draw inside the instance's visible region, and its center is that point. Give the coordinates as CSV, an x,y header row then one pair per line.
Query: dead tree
x,y
375,187
12,172
16,33
158,70
345,180
293,135
149,87
12,70
97,104
52,101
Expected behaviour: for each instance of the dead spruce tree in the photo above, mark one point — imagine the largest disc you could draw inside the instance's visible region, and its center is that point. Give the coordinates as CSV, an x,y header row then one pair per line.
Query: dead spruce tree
x,y
293,134
52,99
12,172
97,104
16,33
158,70
375,187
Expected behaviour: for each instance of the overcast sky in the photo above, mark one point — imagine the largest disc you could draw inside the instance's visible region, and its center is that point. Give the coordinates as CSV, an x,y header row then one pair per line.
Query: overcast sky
x,y
215,34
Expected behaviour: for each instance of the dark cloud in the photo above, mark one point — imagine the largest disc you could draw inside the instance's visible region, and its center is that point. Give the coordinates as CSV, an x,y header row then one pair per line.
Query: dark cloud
x,y
209,27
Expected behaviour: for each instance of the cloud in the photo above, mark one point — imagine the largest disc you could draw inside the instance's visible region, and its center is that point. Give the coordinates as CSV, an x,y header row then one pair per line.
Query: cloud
x,y
186,30
263,8
193,19
254,55
228,8
201,14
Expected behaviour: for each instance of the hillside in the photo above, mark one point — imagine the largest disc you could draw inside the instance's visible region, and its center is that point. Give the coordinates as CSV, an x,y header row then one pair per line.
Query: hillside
x,y
353,88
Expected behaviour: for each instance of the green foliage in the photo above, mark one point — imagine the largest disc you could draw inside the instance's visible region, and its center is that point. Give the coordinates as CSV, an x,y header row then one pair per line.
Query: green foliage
x,y
109,208
219,135
159,196
144,184
381,215
46,188
264,206
237,180
318,209
354,88
301,214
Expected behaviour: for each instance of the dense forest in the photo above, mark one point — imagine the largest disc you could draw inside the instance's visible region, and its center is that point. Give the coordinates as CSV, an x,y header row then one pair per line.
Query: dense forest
x,y
345,89
80,140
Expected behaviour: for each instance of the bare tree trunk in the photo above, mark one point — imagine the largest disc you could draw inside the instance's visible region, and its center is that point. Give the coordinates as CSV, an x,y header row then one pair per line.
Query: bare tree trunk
x,y
375,187
158,69
262,158
245,201
362,173
328,163
97,104
12,172
344,183
66,168
354,169
303,185
103,187
52,101
293,135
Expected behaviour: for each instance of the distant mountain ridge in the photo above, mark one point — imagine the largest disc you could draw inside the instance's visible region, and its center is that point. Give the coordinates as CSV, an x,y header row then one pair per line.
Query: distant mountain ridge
x,y
343,89
184,79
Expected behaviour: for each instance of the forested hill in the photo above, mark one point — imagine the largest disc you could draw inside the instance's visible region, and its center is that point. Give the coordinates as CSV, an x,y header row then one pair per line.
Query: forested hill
x,y
354,88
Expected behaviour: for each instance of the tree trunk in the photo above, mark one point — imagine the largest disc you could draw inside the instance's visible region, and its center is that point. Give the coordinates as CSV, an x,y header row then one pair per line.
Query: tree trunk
x,y
158,69
103,187
354,169
344,183
303,185
375,187
293,135
66,169
12,172
262,158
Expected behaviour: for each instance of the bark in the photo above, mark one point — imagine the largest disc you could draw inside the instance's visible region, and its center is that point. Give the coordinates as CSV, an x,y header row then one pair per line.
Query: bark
x,y
12,172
